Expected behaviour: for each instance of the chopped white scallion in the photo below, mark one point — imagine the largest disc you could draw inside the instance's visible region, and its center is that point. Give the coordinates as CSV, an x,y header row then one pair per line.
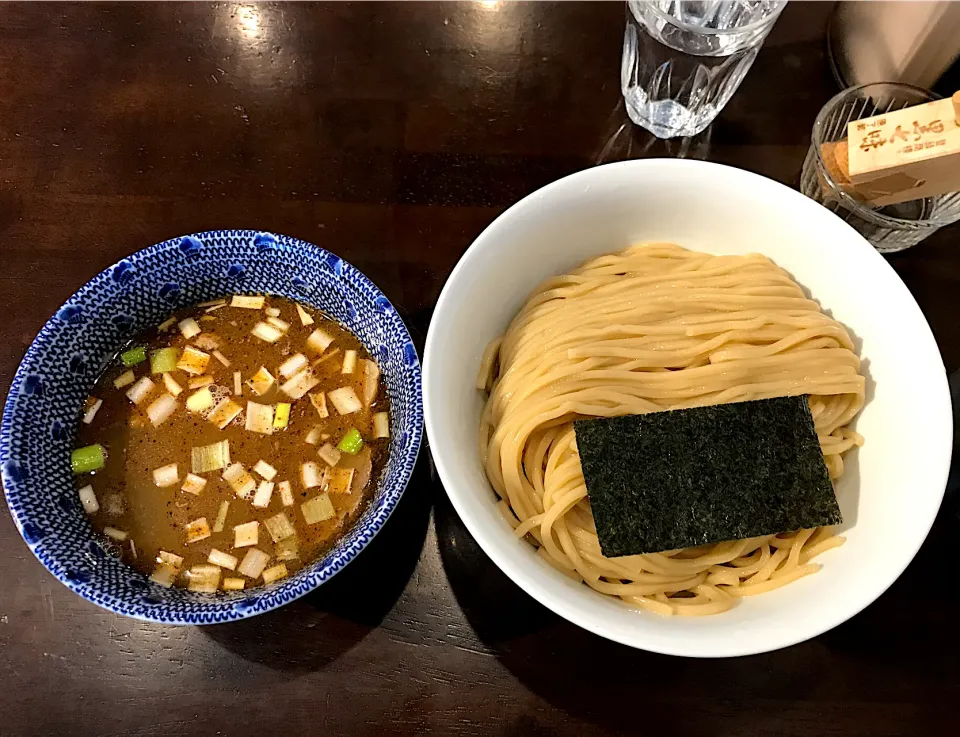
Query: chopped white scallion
x,y
266,332
381,425
233,584
281,325
199,382
206,341
124,379
319,341
213,303
287,549
224,413
166,475
328,357
310,475
246,534
318,509
189,328
141,390
293,365
240,481
167,324
115,534
279,527
349,362
339,480
319,402
314,436
329,454
164,575
161,408
371,381
299,384
261,381
272,311
221,520
197,530
93,406
253,563
305,318
249,303
203,579
265,470
261,499
345,400
171,559
237,384
213,457
193,361
222,358
89,500
260,418
200,401
172,386
224,560
193,484
286,493
274,573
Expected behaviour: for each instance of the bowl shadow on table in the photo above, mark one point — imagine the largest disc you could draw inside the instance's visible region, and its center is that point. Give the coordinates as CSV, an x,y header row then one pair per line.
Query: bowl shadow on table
x,y
310,633
550,656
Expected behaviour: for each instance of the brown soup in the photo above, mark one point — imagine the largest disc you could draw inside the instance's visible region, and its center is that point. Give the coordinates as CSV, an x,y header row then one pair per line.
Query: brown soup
x,y
188,425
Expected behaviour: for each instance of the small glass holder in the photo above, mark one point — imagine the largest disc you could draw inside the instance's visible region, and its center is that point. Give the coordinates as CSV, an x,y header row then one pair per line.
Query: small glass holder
x,y
893,227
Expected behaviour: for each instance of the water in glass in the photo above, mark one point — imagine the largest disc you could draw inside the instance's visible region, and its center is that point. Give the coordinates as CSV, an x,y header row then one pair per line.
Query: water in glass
x,y
682,60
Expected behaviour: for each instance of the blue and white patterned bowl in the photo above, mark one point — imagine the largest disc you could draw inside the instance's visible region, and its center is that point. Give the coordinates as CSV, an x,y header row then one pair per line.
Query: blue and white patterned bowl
x,y
61,366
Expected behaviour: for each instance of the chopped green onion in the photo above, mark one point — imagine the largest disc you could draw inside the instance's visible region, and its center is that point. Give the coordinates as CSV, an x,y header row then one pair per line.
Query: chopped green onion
x,y
164,360
85,460
134,356
351,442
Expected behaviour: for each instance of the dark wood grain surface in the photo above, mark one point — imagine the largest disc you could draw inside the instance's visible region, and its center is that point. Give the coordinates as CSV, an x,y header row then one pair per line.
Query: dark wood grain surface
x,y
392,135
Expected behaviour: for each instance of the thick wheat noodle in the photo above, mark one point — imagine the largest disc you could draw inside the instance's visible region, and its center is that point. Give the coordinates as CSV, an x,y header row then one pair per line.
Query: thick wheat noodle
x,y
658,327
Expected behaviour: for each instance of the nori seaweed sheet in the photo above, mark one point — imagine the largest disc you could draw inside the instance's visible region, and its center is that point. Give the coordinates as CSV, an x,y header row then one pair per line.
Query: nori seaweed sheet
x,y
681,478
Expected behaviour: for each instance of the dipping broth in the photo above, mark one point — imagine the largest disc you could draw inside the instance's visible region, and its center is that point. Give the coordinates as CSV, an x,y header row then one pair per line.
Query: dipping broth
x,y
233,444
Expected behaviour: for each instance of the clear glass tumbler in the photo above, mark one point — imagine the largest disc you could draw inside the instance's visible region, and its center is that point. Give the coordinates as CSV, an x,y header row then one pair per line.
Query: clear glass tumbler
x,y
893,227
683,59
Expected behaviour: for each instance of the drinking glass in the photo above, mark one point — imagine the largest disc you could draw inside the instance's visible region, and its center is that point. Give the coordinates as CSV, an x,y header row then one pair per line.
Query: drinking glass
x,y
893,227
683,59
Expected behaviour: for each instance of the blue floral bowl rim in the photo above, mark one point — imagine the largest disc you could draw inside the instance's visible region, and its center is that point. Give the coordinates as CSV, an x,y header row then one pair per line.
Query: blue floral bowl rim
x,y
387,504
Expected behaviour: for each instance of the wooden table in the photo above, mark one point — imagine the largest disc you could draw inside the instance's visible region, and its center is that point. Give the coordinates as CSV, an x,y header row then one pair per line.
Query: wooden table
x,y
393,134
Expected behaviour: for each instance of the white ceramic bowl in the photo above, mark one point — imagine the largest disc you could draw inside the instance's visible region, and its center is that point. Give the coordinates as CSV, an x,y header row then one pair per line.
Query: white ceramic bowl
x,y
893,485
